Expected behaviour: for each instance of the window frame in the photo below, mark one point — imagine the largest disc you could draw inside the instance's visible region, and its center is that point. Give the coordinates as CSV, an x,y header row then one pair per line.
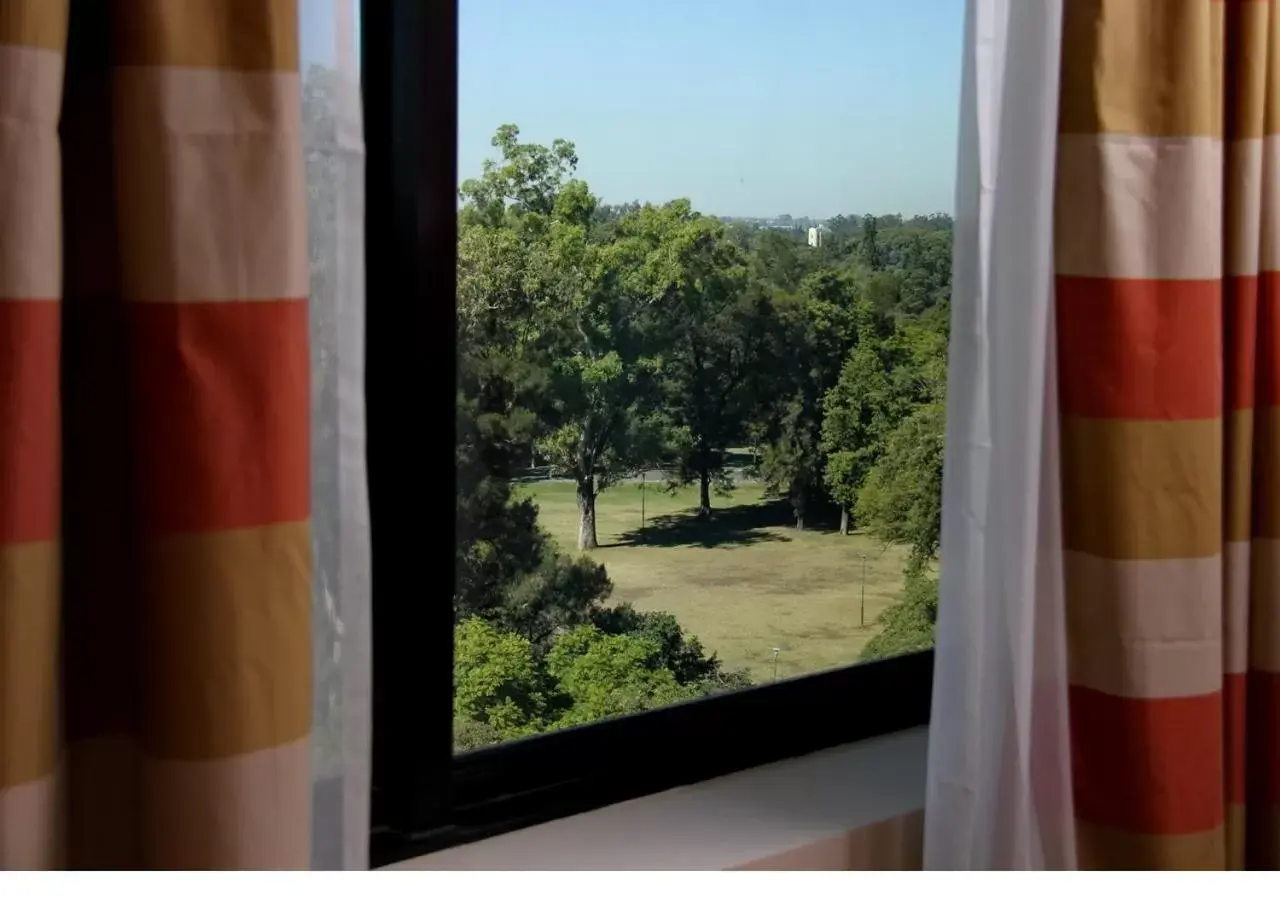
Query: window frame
x,y
423,798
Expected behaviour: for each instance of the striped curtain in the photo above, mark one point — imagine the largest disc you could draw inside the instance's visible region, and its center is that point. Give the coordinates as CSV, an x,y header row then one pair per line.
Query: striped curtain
x,y
155,600
1168,332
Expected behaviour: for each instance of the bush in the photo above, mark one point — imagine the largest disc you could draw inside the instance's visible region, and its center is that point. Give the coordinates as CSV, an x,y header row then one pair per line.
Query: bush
x,y
678,651
497,680
603,675
507,686
907,626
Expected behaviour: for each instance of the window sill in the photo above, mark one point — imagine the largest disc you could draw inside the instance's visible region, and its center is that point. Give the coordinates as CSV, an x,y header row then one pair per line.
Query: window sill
x,y
733,821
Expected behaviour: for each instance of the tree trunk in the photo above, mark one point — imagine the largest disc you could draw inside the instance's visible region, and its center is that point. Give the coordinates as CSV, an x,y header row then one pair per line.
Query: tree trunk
x,y
587,515
704,493
844,520
799,520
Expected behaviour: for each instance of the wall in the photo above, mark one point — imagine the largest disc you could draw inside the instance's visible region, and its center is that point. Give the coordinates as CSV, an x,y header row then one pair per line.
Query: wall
x,y
853,807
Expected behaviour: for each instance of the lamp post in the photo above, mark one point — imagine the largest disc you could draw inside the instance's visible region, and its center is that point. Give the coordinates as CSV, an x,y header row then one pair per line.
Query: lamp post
x,y
862,611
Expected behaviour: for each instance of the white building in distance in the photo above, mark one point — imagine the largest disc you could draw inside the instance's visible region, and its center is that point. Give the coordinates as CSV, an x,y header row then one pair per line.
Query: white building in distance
x,y
816,235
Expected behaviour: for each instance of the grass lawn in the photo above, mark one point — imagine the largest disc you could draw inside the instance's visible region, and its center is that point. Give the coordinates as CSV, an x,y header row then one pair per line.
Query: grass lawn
x,y
745,582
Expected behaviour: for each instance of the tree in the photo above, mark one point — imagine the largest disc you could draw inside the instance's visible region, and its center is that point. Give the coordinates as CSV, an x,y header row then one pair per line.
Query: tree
x,y
506,686
908,625
856,413
525,180
496,680
678,651
710,338
901,500
569,311
611,675
601,423
813,335
507,571
869,253
920,258
791,463
778,259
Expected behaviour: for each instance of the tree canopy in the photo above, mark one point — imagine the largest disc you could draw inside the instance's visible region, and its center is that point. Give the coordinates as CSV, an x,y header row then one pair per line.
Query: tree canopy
x,y
605,340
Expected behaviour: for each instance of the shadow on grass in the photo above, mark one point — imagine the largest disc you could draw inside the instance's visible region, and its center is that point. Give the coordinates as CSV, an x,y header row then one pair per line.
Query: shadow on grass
x,y
738,526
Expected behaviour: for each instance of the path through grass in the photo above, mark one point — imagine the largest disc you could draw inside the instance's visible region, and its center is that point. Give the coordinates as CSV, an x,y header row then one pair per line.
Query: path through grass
x,y
745,582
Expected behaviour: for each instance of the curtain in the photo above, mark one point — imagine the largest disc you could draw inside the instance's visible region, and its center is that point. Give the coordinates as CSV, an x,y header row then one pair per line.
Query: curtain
x,y
183,533
333,145
1165,248
1170,461
998,789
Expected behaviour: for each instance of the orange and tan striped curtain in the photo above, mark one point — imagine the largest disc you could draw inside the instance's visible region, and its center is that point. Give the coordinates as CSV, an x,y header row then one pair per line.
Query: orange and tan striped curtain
x,y
155,601
1167,246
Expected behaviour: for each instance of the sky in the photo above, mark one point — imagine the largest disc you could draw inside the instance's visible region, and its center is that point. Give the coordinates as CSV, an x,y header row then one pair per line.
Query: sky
x,y
317,31
746,107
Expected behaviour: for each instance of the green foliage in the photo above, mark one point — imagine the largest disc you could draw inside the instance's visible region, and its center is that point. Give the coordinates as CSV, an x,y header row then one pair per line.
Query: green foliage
x,y
857,412
908,625
791,464
603,340
506,569
902,498
611,675
468,734
779,259
816,330
526,180
869,250
569,290
496,680
679,652
559,593
711,332
505,687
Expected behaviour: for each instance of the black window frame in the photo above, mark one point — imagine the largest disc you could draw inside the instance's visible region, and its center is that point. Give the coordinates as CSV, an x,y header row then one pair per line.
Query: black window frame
x,y
424,798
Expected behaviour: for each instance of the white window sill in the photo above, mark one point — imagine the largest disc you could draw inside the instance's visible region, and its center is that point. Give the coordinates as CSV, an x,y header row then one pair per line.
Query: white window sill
x,y
725,823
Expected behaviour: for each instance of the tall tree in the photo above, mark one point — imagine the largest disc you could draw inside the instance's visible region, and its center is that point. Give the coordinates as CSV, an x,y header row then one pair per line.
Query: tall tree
x,y
577,318
813,335
508,571
711,336
506,568
856,413
600,420
869,251
525,180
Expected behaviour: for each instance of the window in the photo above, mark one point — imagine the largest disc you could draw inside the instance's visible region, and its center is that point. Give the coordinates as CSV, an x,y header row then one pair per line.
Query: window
x,y
687,519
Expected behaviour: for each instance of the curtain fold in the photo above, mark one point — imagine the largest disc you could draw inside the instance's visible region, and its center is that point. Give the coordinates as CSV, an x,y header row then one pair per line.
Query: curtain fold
x,y
32,47
158,444
998,791
1167,341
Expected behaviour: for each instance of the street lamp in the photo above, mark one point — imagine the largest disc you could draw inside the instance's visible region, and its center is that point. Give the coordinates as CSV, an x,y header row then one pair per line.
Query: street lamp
x,y
862,611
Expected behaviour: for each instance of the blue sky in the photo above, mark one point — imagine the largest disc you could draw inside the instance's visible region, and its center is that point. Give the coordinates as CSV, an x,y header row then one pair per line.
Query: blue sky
x,y
747,107
316,36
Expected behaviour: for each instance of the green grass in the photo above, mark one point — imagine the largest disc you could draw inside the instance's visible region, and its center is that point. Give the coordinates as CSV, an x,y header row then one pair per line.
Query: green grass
x,y
745,582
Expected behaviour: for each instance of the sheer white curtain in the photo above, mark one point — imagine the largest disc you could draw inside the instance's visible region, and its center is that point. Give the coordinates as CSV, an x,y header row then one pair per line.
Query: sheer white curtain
x,y
334,147
999,790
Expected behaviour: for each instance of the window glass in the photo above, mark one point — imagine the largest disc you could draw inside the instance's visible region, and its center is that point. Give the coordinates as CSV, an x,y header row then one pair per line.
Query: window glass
x,y
704,259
